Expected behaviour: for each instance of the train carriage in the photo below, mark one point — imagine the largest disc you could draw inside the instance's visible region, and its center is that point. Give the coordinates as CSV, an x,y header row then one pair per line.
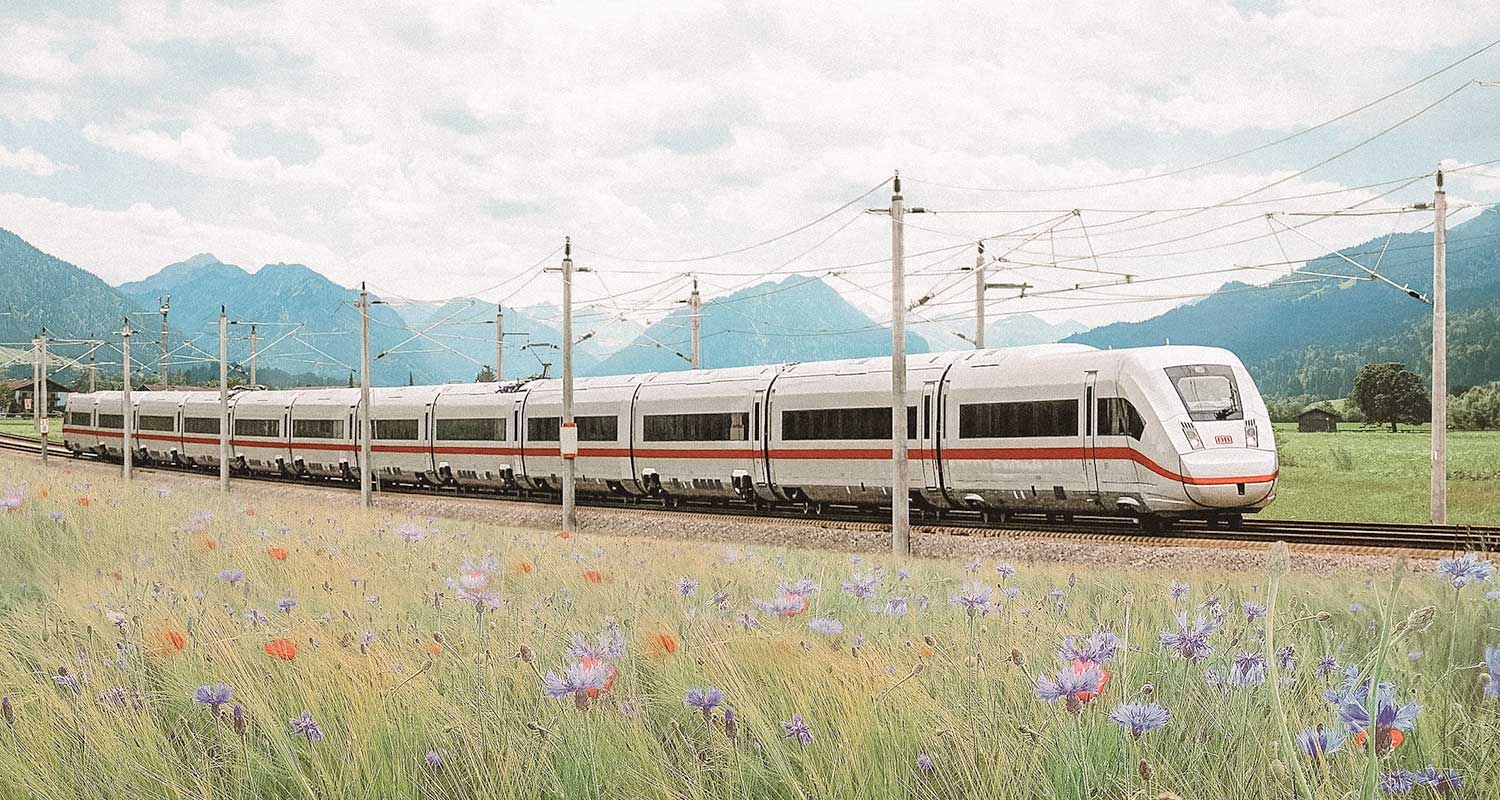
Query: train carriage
x,y
79,432
323,443
474,435
109,421
259,431
158,425
601,412
699,434
201,412
401,434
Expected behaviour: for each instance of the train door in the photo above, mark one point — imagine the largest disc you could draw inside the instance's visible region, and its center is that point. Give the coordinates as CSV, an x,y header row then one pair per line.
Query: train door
x,y
760,434
926,434
1090,463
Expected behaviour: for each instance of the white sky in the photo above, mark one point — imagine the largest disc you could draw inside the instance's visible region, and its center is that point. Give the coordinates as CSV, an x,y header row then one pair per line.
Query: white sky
x,y
438,151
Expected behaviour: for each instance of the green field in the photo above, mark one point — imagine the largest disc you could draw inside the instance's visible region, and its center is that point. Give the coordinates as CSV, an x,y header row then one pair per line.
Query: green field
x,y
1373,475
365,655
23,426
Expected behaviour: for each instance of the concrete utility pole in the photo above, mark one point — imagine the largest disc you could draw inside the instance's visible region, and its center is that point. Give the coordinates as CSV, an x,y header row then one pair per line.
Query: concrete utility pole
x,y
695,304
364,397
1438,511
979,299
41,394
224,400
900,467
127,457
36,362
166,305
499,343
568,434
93,371
253,343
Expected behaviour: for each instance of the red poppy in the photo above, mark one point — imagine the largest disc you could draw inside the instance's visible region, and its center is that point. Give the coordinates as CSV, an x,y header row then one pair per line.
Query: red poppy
x,y
208,544
925,651
284,649
522,567
664,644
435,649
84,501
795,604
249,512
278,553
1080,667
172,642
593,576
564,534
589,662
117,576
1391,736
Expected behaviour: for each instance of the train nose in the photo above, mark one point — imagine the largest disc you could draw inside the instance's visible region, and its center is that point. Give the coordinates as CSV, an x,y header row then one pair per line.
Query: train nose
x,y
1229,477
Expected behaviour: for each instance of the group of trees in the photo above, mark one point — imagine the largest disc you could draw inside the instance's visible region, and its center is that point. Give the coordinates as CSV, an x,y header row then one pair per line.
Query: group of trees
x,y
1388,393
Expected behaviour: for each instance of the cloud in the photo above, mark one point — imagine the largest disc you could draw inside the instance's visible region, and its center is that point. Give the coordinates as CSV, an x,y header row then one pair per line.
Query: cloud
x,y
30,161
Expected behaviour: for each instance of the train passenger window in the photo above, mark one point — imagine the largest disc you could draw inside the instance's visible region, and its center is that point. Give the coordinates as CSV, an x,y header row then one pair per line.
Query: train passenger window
x,y
405,429
471,430
543,429
1031,418
317,429
1117,417
927,418
156,422
200,425
269,428
731,426
598,429
843,423
756,424
80,418
115,421
1209,391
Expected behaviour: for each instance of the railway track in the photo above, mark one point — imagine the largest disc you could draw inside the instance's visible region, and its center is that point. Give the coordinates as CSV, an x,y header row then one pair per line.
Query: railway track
x,y
1357,537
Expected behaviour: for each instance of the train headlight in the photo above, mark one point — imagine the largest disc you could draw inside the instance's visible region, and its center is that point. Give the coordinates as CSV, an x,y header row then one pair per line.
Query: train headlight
x,y
1194,440
1252,434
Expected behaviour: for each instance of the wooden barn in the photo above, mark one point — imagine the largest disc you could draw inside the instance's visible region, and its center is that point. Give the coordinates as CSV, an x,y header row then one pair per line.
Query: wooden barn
x,y
1316,419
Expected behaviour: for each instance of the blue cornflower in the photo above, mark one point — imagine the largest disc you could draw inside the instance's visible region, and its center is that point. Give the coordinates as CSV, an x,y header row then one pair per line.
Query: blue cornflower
x,y
975,599
286,604
1286,658
832,627
232,575
609,645
56,516
1177,590
686,586
256,617
802,588
434,759
861,586
1327,665
577,678
1320,741
705,699
1076,684
924,762
1441,781
972,566
1492,669
1140,718
1465,569
214,696
1190,640
1100,646
1399,781
1389,717
305,725
1012,592
787,605
1254,611
1249,670
894,607
411,534
1005,570
796,728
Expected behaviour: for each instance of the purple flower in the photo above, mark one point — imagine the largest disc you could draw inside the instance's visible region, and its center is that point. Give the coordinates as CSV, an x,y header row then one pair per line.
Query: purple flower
x,y
577,678
1254,611
1441,781
305,725
434,759
1492,669
1190,641
411,534
1354,697
796,728
1320,741
286,604
232,575
1177,590
1071,683
924,762
67,680
832,627
860,586
686,586
1012,592
787,605
1465,569
802,588
1100,646
975,599
894,607
609,645
1398,782
1005,570
705,699
1286,658
1249,670
256,617
214,695
1327,665
56,516
972,566
1140,718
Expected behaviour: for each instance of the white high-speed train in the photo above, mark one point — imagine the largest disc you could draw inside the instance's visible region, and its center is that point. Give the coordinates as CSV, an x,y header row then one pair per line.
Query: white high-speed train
x,y
1154,433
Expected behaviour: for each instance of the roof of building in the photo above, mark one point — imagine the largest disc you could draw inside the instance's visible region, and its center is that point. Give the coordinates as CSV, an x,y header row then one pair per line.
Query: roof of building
x,y
24,385
1323,409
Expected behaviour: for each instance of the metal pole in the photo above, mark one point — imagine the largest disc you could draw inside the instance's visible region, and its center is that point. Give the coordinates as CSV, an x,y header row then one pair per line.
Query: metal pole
x,y
127,457
36,356
93,372
695,302
364,397
224,401
41,395
165,307
499,343
253,342
979,299
1439,505
568,441
900,468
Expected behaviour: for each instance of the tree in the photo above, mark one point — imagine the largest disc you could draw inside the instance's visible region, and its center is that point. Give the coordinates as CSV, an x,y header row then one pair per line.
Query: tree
x,y
486,375
1389,393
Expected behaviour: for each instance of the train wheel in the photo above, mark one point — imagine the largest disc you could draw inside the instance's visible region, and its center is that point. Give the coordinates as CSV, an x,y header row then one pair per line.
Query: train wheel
x,y
1235,521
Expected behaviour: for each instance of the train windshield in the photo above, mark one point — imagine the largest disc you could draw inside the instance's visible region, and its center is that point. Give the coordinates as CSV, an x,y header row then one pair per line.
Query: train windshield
x,y
1208,390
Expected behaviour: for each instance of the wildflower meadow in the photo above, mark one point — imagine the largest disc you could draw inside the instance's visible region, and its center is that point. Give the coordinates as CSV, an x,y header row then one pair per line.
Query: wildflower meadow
x,y
160,642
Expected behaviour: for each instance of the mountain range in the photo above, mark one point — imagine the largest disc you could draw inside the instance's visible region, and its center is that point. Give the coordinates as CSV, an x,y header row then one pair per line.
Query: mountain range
x,y
1301,335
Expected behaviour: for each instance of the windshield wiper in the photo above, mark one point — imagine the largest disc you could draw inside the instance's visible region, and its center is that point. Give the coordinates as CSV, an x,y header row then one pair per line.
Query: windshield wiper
x,y
1226,413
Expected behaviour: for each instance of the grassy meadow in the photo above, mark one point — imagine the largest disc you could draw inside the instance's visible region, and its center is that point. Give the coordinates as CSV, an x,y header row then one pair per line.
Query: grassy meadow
x,y
1373,475
182,644
23,426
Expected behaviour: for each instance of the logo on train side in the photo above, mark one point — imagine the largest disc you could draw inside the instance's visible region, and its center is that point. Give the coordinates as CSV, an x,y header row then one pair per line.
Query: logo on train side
x,y
1222,439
